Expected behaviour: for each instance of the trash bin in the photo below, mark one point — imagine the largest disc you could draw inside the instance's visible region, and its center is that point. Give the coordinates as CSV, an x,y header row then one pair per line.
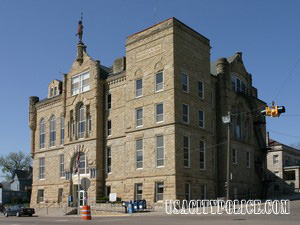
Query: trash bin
x,y
135,206
130,207
140,202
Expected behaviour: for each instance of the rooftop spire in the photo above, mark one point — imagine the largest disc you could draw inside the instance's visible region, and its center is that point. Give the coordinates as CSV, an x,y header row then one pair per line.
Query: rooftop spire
x,y
80,29
80,46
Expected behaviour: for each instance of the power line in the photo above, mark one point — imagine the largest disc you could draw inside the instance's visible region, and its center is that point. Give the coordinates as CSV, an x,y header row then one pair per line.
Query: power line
x,y
287,78
287,135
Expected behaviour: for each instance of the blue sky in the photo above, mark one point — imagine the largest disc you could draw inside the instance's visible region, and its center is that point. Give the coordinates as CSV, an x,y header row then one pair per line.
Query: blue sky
x,y
38,44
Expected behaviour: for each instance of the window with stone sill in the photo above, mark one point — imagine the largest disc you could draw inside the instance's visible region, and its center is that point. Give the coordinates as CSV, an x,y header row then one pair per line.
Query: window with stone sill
x,y
185,83
139,117
200,90
186,151
159,81
138,88
201,119
52,131
42,133
202,154
185,113
159,112
139,154
160,151
108,128
42,168
81,121
80,83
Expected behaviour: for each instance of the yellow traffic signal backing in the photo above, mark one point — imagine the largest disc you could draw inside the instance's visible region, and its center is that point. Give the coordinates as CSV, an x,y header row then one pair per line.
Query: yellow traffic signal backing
x,y
273,111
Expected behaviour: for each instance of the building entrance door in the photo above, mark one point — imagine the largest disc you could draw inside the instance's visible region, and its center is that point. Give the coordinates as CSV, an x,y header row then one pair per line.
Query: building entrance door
x,y
83,197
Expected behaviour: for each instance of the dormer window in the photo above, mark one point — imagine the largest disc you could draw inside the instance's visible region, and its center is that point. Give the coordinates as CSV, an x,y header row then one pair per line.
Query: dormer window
x,y
238,85
55,91
81,83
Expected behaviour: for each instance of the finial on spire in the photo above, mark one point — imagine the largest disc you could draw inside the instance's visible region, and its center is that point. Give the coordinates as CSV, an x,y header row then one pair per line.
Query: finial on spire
x,y
80,29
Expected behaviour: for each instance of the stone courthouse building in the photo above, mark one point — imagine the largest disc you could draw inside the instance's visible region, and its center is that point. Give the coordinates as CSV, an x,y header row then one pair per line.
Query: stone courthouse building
x,y
150,126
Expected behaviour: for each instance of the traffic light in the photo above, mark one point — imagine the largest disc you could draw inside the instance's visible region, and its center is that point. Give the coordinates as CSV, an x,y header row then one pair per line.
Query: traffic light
x,y
273,111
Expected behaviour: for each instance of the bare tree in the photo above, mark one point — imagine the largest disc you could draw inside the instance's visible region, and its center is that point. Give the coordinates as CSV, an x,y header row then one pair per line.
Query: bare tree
x,y
14,161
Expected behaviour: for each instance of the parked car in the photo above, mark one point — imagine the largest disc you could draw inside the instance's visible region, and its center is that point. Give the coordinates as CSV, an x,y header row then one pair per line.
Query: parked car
x,y
18,210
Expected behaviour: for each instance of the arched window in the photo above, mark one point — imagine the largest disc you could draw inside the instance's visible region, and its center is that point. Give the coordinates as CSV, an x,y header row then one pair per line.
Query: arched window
x,y
81,121
52,131
42,133
82,164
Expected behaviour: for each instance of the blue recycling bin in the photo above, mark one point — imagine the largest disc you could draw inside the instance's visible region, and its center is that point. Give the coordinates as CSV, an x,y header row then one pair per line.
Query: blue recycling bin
x,y
130,207
135,206
140,203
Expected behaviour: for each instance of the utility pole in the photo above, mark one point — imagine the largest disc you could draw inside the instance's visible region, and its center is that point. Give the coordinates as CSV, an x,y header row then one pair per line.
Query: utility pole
x,y
227,120
78,186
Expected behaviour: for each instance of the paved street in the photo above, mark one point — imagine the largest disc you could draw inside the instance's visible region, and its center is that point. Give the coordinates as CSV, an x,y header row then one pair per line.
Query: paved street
x,y
164,219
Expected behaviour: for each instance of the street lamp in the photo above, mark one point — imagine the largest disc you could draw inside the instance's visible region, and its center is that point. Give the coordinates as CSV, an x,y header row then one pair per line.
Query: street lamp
x,y
227,120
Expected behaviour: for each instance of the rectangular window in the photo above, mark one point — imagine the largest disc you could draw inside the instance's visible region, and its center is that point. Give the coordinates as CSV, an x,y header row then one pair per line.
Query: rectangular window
x,y
40,196
138,88
185,113
55,91
159,190
248,159
60,195
159,81
80,83
201,119
42,134
202,154
234,156
62,130
139,117
108,101
185,83
159,112
160,151
108,160
81,122
62,165
42,168
139,154
186,151
138,191
200,89
52,131
187,191
203,192
275,160
108,128
89,123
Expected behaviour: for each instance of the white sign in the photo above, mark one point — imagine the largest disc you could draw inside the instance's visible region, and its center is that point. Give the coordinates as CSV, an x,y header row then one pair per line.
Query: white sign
x,y
113,197
0,195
